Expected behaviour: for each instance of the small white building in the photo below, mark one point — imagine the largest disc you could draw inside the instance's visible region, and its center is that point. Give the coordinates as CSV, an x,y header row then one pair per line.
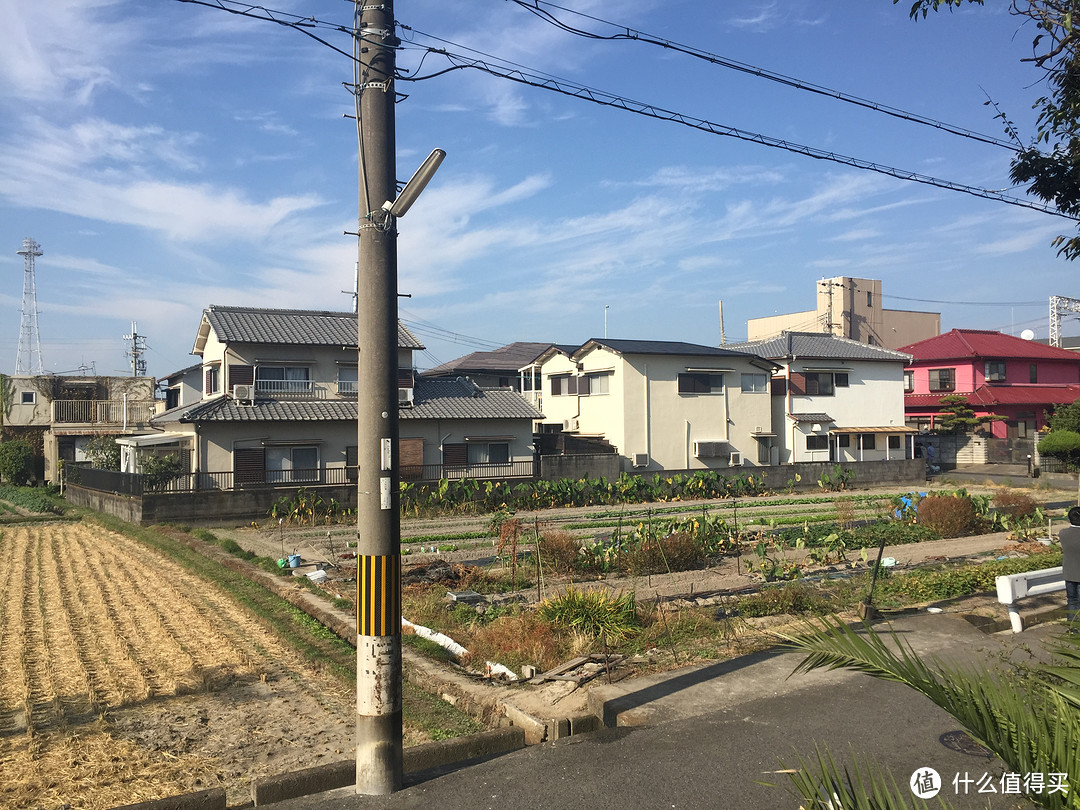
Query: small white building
x,y
664,405
835,399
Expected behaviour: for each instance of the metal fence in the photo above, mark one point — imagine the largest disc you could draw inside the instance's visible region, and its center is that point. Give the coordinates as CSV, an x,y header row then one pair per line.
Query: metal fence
x,y
134,484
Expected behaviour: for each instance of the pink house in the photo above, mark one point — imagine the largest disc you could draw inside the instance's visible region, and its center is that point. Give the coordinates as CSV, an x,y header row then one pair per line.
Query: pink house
x,y
998,374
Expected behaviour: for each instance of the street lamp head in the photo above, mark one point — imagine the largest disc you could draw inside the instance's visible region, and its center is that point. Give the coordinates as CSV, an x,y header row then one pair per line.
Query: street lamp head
x,y
417,183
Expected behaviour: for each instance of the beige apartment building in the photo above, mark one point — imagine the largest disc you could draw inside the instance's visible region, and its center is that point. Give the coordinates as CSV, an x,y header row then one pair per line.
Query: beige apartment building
x,y
852,308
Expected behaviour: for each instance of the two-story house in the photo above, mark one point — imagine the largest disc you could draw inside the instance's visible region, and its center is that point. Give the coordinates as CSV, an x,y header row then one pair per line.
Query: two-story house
x,y
997,374
835,399
58,415
278,405
494,369
664,405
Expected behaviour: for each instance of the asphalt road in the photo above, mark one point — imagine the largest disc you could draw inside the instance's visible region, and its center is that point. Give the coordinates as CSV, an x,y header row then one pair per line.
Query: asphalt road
x,y
711,734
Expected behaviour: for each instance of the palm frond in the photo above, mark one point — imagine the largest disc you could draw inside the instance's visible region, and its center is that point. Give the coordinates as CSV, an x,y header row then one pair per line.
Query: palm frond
x,y
1031,726
825,785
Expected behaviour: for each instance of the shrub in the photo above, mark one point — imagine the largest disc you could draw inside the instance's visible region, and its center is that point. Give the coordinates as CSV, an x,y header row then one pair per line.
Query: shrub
x,y
104,452
15,458
560,552
1061,444
948,515
657,555
1015,504
592,612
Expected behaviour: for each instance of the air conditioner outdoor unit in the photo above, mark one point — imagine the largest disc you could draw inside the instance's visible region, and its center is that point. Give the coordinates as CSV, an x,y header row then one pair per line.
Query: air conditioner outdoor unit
x,y
735,460
405,396
571,424
243,393
709,449
640,459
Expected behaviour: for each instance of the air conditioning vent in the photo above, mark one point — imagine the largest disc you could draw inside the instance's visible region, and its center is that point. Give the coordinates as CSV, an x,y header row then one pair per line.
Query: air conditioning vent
x,y
243,393
710,449
571,424
735,460
405,396
640,460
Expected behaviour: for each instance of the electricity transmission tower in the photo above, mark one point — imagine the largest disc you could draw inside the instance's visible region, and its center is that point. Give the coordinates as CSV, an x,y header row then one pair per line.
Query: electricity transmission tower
x,y
1059,304
28,360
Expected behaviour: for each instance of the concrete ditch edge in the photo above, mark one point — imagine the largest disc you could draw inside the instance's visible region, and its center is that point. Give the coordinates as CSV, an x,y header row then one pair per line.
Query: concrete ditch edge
x,y
331,776
212,799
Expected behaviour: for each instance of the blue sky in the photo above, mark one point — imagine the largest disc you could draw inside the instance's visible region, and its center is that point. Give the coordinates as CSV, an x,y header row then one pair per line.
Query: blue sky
x,y
169,156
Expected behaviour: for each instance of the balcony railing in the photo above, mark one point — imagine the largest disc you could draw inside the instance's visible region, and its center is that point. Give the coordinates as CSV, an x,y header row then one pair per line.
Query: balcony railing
x,y
102,411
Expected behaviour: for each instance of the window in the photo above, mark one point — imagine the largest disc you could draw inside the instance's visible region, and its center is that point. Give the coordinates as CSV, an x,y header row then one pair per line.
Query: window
x,y
764,450
755,383
489,453
701,383
909,381
212,381
942,379
28,397
292,463
565,385
824,384
598,383
1033,373
282,380
347,381
894,442
843,440
817,442
995,371
869,299
869,441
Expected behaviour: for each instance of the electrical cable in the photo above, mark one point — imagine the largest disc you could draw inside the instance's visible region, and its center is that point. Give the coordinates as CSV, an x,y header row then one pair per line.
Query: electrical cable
x,y
722,61
971,303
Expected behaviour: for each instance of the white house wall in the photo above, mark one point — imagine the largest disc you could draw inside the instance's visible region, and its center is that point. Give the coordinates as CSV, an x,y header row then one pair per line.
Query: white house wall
x,y
644,413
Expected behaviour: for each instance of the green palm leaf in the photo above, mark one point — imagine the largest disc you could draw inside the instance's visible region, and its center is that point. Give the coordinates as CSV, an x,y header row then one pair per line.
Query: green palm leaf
x,y
1032,725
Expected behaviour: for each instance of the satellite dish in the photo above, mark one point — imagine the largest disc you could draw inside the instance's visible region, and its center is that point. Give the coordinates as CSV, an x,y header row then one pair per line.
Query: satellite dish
x,y
1028,334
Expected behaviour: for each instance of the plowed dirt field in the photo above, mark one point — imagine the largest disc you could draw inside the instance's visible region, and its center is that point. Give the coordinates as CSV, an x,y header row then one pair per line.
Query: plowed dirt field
x,y
123,677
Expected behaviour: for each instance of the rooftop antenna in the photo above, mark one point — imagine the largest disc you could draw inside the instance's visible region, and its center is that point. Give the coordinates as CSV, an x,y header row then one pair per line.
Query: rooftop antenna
x,y
28,360
138,349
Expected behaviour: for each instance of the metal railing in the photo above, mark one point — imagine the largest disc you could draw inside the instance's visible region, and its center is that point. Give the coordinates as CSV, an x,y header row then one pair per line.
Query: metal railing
x,y
435,472
134,484
102,411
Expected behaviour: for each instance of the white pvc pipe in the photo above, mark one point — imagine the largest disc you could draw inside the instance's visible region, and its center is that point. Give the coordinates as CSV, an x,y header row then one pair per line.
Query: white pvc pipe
x,y
455,649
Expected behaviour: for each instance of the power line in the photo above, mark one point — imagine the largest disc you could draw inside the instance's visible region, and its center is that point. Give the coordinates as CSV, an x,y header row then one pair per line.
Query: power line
x,y
526,76
763,73
971,303
605,99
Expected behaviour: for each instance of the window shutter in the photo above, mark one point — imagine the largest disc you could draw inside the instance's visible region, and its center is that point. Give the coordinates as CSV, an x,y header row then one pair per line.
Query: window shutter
x,y
241,375
797,383
249,465
351,462
411,452
208,382
405,378
455,455
779,386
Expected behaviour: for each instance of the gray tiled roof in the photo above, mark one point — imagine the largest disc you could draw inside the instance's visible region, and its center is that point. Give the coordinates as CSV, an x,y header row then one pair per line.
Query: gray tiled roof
x,y
673,347
817,346
296,326
507,358
433,399
811,418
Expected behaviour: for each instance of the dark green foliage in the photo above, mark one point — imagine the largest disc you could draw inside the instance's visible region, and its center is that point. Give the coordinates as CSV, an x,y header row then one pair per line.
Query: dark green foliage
x,y
33,499
1066,417
16,457
159,471
1061,444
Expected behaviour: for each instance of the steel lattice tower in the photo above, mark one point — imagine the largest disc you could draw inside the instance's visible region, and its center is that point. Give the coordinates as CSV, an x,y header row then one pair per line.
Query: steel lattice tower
x,y
29,358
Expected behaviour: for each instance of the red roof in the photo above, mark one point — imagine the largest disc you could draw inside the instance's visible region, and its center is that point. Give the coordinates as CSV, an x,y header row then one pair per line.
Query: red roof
x,y
987,396
972,343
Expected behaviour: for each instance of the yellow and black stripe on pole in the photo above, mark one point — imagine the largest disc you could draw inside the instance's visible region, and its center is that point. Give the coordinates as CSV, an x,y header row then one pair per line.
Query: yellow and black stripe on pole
x,y
378,584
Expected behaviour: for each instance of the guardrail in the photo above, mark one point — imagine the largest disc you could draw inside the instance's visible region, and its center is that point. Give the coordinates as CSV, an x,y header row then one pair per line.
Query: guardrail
x,y
1013,587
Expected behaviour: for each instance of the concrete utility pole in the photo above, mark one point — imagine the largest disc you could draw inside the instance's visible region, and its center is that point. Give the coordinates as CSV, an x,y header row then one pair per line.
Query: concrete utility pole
x,y
378,532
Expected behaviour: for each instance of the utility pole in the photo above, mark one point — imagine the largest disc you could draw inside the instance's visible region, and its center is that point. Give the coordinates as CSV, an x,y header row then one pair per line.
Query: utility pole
x,y
138,349
378,532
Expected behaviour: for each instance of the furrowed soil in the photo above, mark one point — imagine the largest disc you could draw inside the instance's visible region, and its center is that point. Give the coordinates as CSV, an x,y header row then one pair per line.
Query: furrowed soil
x,y
123,677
